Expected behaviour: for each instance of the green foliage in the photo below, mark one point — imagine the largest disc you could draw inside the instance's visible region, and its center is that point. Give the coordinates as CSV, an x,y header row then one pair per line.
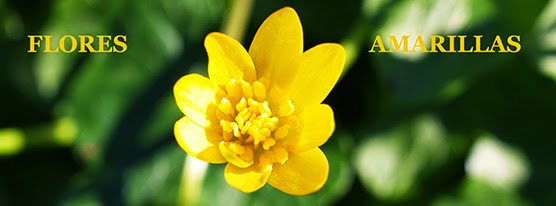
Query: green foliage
x,y
97,129
393,165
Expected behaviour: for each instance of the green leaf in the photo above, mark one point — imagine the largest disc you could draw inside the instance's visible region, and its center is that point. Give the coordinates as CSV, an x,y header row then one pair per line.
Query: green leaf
x,y
392,163
155,181
106,85
414,79
544,47
69,18
478,193
497,164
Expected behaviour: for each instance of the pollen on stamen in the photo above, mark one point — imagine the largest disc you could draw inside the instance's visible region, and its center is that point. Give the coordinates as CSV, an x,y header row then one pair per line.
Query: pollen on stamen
x,y
241,105
240,121
281,132
226,107
281,155
226,126
251,129
270,125
260,91
264,108
247,89
265,132
233,88
286,109
237,148
245,127
259,138
235,127
268,143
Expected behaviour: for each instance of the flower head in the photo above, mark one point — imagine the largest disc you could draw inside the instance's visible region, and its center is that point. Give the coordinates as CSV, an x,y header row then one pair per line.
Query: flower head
x,y
260,111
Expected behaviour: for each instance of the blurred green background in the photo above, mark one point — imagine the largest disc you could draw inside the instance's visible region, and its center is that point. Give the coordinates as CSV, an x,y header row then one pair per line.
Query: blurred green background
x,y
441,129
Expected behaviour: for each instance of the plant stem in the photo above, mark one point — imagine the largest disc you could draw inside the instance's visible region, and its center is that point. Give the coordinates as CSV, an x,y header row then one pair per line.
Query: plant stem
x,y
238,16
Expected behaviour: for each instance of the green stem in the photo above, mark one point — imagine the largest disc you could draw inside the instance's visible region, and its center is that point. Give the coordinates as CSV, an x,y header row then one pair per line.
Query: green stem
x,y
238,16
193,176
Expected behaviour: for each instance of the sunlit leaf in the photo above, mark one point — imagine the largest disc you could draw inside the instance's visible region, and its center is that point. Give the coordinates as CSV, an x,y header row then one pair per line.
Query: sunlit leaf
x,y
545,40
107,84
497,164
391,164
69,18
417,78
155,181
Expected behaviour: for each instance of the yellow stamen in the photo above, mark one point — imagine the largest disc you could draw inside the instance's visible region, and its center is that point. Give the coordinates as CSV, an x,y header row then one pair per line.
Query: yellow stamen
x,y
280,155
240,121
226,127
236,129
265,132
259,138
237,148
233,88
281,132
259,90
241,105
286,109
264,108
246,127
243,161
268,143
251,131
247,89
226,107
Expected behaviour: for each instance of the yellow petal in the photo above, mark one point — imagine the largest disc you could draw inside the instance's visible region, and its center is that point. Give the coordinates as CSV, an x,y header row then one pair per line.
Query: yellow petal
x,y
241,161
246,179
195,96
277,43
303,173
198,142
227,59
317,127
318,70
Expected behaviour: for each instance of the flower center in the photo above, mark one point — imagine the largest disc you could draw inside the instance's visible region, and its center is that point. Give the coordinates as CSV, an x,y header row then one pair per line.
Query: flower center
x,y
250,129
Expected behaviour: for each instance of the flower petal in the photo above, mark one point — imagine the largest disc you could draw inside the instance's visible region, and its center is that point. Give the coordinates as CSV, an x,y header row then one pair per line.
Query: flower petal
x,y
278,41
198,142
246,179
304,173
318,70
317,127
233,158
195,96
227,59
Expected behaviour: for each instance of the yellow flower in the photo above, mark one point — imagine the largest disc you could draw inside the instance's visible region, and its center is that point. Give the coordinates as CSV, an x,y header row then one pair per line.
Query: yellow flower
x,y
261,111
